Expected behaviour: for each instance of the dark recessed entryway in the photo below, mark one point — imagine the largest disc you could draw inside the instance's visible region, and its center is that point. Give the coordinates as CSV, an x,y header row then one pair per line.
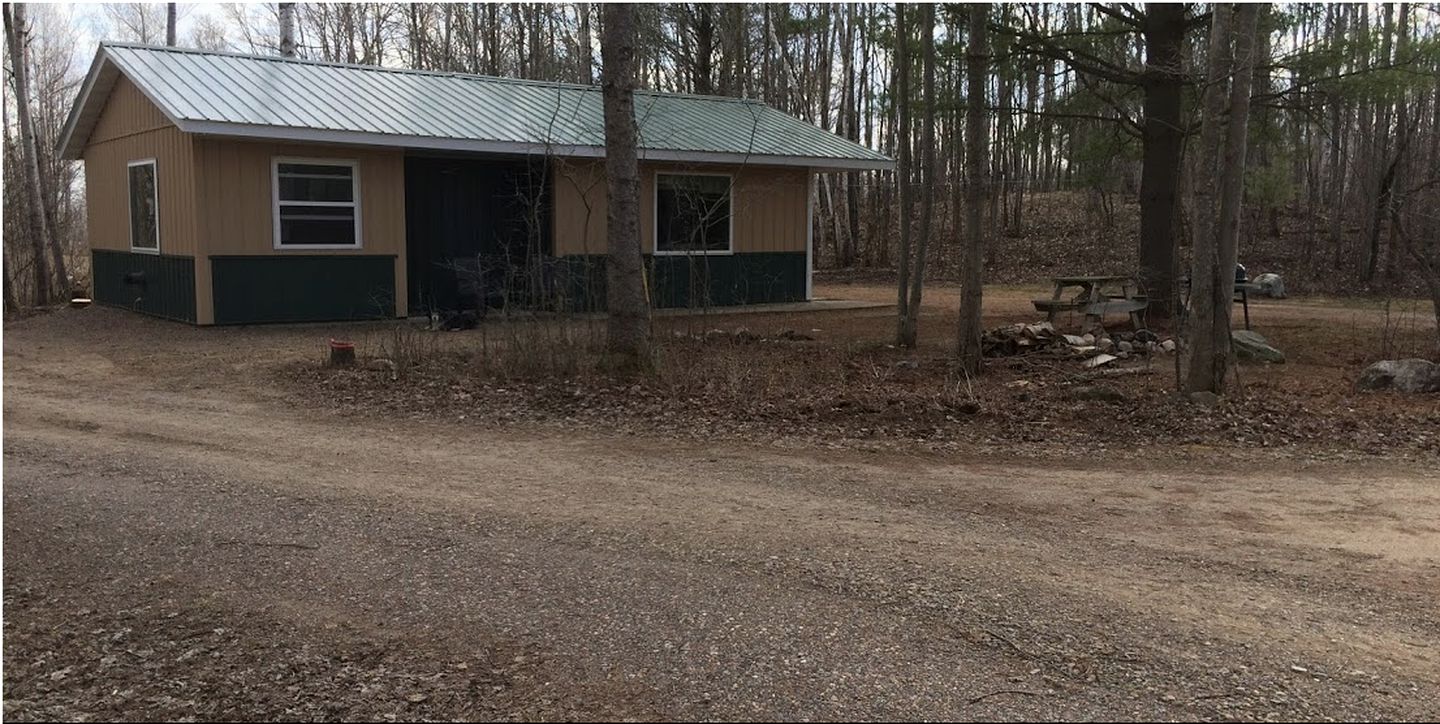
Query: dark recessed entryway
x,y
477,233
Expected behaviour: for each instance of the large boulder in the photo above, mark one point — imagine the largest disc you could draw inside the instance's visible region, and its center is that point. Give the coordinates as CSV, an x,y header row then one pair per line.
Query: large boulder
x,y
1404,375
1271,285
1250,345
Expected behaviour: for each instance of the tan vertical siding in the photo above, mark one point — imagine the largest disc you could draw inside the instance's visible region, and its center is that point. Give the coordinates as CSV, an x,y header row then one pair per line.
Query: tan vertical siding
x,y
236,203
768,209
132,129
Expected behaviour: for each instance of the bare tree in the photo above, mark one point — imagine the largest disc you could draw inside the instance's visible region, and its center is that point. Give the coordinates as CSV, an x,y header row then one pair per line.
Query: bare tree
x,y
927,171
977,64
629,314
16,32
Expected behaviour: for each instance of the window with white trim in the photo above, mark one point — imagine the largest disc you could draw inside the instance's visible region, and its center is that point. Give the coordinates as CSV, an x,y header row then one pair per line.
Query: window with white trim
x,y
316,204
144,206
692,213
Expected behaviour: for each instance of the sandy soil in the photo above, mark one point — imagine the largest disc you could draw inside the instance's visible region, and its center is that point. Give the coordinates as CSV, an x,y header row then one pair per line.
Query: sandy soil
x,y
184,542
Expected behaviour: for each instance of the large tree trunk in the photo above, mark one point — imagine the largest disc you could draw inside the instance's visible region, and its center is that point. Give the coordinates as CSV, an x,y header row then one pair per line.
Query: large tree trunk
x,y
629,313
1204,259
16,32
977,61
1163,147
1231,189
927,170
903,169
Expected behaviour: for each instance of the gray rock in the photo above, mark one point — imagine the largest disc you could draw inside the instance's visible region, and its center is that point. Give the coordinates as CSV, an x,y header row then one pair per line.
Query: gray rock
x,y
1168,345
1125,347
1404,375
1249,345
1204,398
1271,285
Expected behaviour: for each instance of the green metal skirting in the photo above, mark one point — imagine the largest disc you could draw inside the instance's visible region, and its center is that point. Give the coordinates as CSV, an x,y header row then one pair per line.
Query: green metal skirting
x,y
155,284
313,288
694,281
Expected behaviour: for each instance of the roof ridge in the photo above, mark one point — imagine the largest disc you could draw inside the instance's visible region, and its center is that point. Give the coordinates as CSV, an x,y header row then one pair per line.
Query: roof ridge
x,y
416,71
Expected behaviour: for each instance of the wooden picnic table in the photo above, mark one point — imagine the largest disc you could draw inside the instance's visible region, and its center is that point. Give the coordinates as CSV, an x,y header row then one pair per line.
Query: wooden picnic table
x,y
1094,299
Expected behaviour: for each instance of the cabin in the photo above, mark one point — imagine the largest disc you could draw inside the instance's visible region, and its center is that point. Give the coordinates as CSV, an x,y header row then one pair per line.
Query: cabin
x,y
234,189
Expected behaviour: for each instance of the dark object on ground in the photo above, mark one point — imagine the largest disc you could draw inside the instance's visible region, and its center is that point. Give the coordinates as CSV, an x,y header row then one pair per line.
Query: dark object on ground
x,y
468,319
791,335
342,354
1250,345
1144,336
1402,375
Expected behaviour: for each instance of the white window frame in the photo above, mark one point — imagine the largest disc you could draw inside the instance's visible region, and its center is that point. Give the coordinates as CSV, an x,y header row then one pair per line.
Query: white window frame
x,y
354,202
655,216
130,207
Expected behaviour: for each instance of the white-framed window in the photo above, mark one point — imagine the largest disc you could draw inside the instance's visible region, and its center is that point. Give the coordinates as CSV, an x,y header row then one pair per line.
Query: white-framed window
x,y
317,203
693,213
144,206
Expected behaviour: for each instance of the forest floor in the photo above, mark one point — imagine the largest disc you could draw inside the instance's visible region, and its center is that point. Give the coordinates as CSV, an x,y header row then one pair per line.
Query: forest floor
x,y
209,524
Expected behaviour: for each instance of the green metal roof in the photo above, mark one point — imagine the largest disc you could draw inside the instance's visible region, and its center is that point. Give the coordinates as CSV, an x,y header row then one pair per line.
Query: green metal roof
x,y
226,94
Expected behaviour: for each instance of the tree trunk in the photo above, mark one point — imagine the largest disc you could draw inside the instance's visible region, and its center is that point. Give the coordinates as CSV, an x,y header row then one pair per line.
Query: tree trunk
x,y
927,170
287,30
1204,257
1231,189
903,169
16,36
587,52
170,24
1162,150
629,313
977,61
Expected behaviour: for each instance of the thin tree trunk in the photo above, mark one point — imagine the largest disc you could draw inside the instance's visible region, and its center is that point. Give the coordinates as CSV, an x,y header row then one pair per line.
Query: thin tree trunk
x,y
903,169
287,30
977,61
170,24
927,169
629,314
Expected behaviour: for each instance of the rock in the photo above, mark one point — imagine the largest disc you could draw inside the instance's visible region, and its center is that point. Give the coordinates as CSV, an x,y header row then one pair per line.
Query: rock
x,y
1089,338
1168,345
907,364
1098,393
1125,347
1250,345
1145,335
1104,344
1271,285
1074,341
1098,360
1402,375
743,334
1204,399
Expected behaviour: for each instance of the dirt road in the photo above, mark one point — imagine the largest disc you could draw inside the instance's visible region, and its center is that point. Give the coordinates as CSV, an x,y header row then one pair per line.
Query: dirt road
x,y
182,543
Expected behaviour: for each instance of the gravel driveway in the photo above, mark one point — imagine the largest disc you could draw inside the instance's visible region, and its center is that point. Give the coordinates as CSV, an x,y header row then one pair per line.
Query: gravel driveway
x,y
182,544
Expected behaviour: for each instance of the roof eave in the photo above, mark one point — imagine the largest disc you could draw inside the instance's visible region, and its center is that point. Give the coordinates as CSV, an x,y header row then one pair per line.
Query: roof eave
x,y
433,143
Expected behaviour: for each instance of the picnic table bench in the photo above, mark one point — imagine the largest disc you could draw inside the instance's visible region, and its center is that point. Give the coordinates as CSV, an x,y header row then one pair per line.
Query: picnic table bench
x,y
1093,300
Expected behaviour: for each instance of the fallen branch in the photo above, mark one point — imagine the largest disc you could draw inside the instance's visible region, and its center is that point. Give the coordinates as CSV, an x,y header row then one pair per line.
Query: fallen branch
x,y
1122,372
1024,692
1018,650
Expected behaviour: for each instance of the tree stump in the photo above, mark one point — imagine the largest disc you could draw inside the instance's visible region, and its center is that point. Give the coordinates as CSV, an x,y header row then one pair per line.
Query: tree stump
x,y
342,354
